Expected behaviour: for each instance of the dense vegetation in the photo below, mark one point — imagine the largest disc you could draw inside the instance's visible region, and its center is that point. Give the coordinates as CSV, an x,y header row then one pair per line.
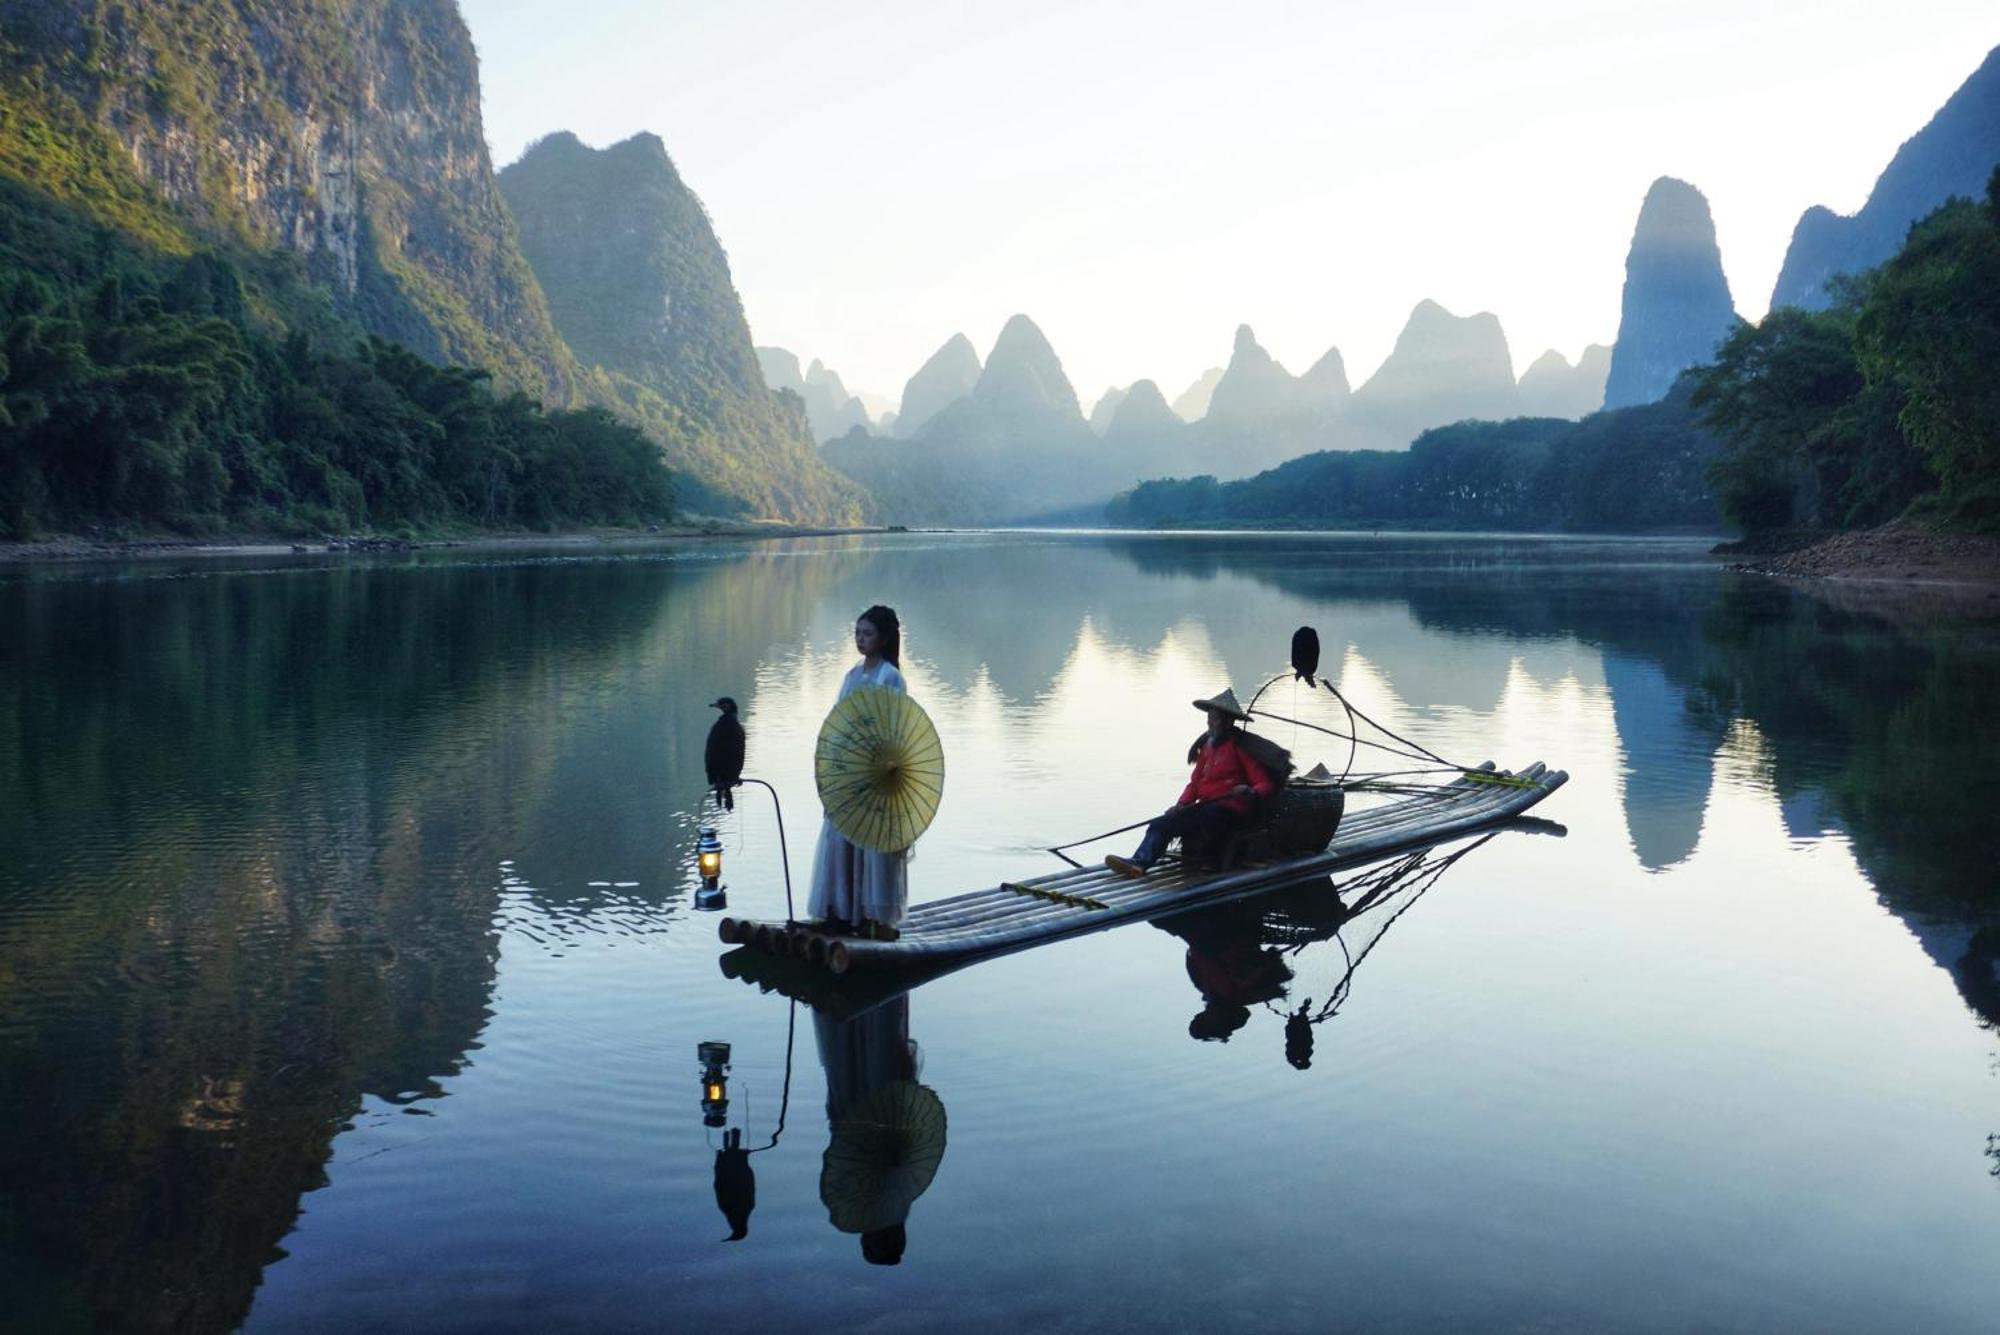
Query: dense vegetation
x,y
1847,417
1635,468
346,129
141,388
330,154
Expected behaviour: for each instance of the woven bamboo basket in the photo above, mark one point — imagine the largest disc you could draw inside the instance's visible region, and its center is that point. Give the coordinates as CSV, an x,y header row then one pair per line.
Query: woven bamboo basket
x,y
1302,822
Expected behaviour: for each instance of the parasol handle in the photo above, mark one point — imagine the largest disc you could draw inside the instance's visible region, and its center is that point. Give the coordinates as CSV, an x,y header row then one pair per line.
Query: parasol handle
x,y
791,914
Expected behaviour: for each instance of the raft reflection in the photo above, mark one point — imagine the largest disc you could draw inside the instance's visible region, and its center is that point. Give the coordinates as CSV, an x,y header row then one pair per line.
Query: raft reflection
x,y
1242,954
887,1131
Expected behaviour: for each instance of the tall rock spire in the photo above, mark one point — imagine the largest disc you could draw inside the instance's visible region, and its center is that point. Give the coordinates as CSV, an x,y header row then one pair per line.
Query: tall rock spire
x,y
1677,305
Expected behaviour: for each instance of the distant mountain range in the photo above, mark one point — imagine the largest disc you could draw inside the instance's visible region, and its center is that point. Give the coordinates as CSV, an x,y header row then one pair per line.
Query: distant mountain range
x,y
830,409
1551,387
340,147
1008,441
1191,405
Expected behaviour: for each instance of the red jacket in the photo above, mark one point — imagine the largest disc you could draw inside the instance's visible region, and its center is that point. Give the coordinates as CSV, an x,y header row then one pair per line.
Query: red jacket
x,y
1220,767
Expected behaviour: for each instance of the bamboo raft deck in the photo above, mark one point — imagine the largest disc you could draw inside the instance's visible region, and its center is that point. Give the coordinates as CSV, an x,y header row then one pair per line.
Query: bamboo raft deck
x,y
1015,915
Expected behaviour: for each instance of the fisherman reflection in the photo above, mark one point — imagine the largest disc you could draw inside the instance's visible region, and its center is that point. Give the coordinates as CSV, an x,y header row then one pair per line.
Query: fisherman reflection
x,y
1236,958
1229,964
888,1131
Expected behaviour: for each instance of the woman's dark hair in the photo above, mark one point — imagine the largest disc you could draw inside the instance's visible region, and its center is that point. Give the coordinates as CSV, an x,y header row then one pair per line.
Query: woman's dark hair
x,y
883,619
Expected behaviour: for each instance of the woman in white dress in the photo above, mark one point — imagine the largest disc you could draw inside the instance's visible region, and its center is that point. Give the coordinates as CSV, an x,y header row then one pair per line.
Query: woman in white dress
x,y
856,887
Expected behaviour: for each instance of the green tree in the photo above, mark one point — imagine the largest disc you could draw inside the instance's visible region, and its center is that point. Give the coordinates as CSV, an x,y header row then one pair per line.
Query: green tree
x,y
1930,322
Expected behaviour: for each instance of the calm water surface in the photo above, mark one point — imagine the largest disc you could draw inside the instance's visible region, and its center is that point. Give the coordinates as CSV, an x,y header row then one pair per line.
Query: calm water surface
x,y
351,979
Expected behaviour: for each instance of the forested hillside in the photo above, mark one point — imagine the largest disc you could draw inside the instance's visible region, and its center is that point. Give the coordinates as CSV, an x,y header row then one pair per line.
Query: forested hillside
x,y
255,269
1887,400
141,387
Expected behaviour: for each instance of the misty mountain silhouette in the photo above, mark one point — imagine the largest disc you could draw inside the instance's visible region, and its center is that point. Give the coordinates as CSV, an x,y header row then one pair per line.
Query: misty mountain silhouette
x,y
1676,305
1953,154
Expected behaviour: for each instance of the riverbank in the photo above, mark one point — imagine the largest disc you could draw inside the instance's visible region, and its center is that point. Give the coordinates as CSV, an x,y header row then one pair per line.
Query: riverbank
x,y
1906,571
84,547
1902,552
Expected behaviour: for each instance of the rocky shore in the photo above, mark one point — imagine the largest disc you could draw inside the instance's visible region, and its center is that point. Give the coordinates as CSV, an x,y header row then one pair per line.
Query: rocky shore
x,y
1904,569
1901,551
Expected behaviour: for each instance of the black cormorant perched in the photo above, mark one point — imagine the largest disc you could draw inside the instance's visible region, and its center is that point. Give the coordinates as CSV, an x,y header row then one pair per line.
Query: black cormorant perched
x,y
1305,654
724,756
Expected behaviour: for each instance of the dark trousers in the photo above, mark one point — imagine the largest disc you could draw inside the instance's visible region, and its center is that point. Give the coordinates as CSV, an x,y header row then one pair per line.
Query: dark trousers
x,y
1202,826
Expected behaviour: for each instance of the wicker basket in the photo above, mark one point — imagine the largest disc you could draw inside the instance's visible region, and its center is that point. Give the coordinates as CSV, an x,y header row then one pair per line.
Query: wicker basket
x,y
1302,822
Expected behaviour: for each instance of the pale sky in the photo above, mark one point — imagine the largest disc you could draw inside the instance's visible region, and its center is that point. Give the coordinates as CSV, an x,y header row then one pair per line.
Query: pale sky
x,y
1141,178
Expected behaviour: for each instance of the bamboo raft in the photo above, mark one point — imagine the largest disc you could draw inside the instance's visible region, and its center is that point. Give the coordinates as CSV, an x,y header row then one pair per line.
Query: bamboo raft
x,y
1015,915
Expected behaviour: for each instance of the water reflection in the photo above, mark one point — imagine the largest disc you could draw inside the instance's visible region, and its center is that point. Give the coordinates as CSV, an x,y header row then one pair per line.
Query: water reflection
x,y
261,835
887,1131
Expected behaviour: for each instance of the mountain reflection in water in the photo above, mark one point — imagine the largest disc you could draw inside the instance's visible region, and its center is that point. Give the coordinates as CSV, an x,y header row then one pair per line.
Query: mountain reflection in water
x,y
273,838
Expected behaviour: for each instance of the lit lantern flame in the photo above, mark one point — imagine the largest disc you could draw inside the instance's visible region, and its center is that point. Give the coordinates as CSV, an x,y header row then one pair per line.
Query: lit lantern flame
x,y
708,861
714,1083
708,855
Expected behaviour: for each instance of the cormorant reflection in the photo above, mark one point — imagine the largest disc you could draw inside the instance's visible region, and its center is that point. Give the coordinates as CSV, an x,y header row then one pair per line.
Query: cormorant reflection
x,y
735,1182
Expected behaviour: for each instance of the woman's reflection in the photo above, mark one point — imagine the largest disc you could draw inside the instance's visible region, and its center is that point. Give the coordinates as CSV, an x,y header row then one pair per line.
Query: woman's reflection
x,y
888,1131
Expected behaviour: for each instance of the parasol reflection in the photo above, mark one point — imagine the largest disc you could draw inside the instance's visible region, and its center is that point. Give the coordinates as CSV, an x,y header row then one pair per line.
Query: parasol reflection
x,y
887,1131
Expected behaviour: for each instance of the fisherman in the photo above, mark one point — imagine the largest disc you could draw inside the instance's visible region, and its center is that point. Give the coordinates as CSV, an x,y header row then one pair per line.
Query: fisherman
x,y
1227,780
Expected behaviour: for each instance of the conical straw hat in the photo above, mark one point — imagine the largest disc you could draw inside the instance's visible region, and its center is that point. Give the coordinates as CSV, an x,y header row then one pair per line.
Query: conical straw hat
x,y
1226,702
880,769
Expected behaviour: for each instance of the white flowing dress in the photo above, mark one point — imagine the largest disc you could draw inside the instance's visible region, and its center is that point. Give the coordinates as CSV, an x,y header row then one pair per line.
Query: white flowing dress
x,y
850,883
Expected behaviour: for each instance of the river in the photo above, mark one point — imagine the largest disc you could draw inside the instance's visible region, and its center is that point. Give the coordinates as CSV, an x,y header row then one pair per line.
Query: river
x,y
352,978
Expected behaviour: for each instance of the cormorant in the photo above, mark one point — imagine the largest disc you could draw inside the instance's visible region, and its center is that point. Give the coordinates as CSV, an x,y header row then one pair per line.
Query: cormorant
x,y
1305,654
724,756
735,1184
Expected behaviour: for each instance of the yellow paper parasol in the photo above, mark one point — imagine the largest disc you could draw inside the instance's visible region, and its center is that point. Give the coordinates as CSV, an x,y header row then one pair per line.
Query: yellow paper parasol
x,y
882,1156
880,769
